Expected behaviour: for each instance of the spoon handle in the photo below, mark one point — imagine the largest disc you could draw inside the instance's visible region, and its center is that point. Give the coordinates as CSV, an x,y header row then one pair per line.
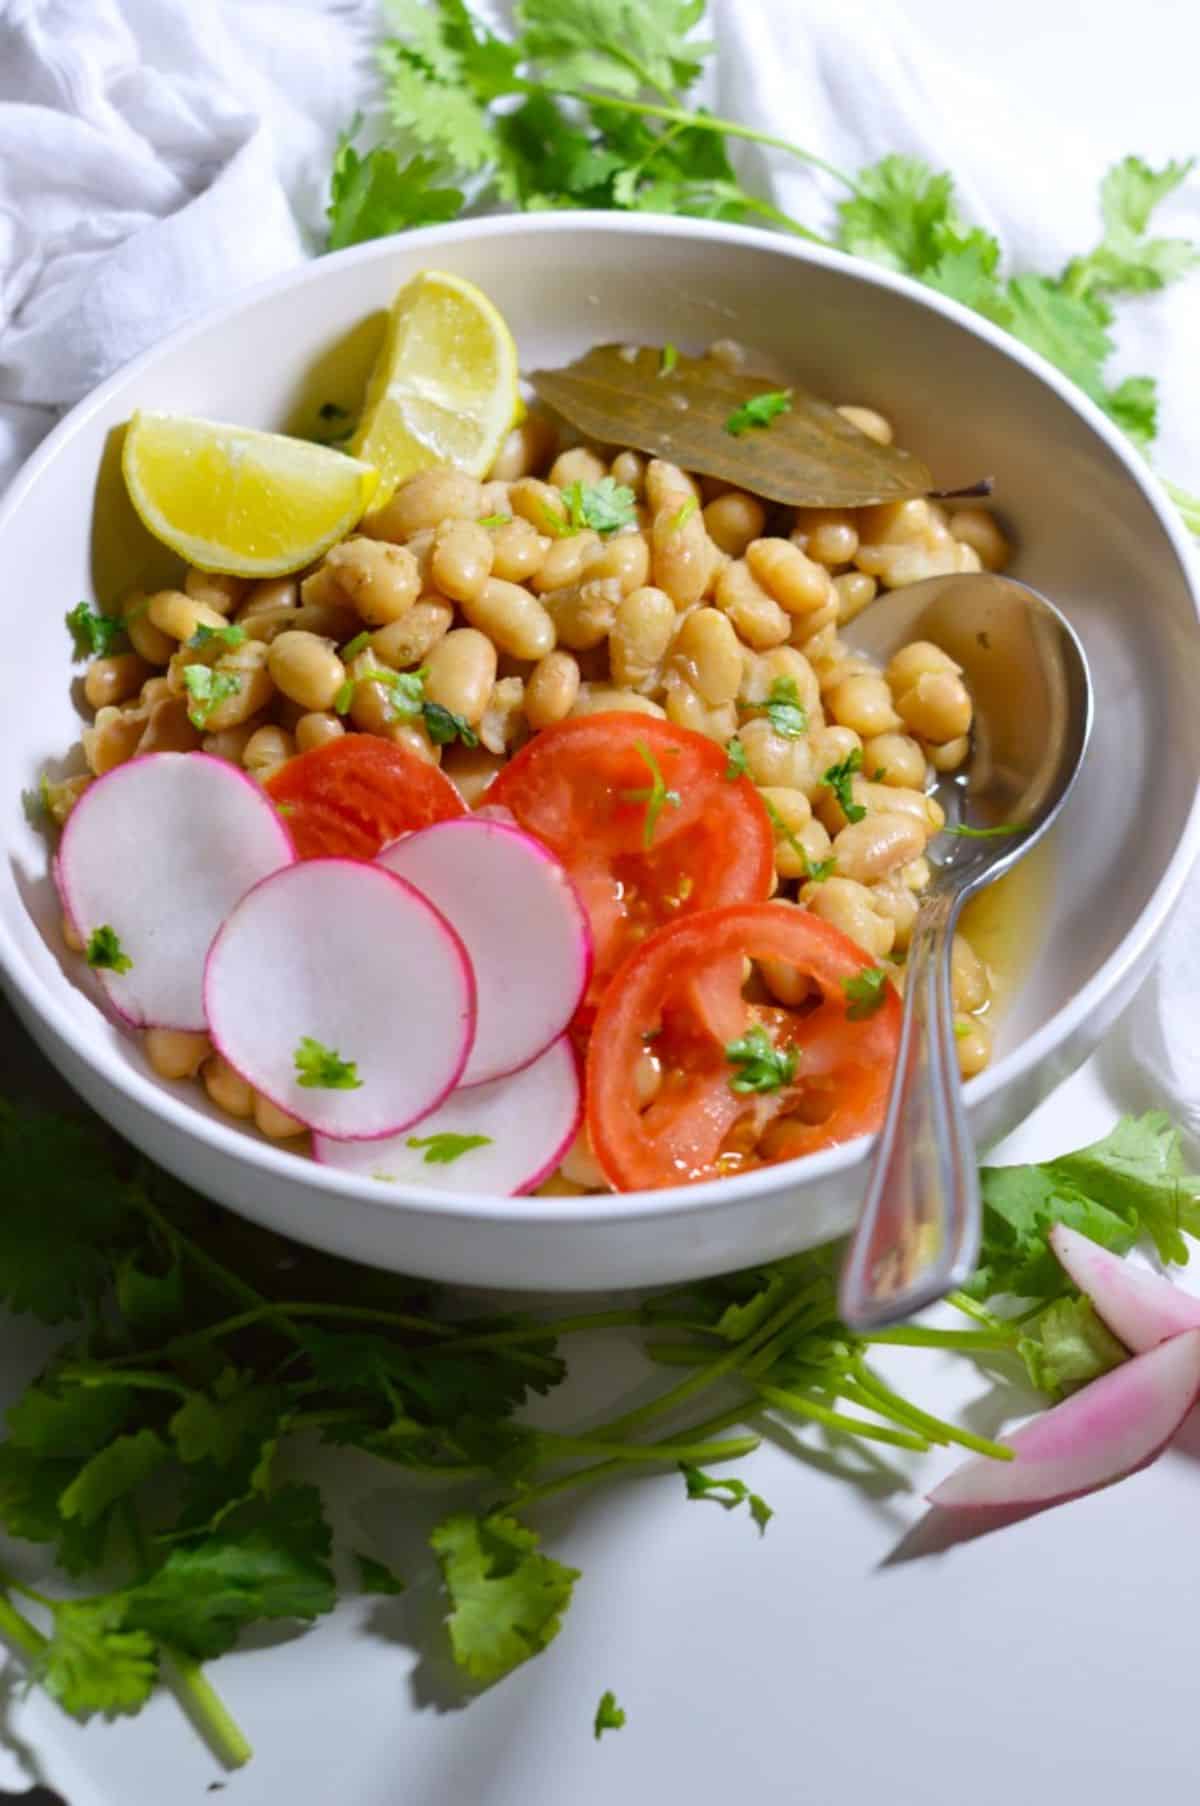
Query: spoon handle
x,y
918,1234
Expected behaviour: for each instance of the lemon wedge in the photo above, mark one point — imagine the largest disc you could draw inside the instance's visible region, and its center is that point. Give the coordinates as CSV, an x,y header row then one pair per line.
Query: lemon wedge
x,y
444,389
248,503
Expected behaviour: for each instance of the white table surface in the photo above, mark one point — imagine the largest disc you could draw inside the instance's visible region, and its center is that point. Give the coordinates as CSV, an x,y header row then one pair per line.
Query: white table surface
x,y
1052,1662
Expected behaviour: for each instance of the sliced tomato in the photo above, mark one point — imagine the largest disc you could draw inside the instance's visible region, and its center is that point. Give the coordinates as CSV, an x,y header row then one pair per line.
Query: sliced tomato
x,y
351,796
681,995
585,787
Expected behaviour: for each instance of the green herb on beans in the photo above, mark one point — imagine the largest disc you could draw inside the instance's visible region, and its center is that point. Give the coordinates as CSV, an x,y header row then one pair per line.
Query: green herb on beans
x,y
815,870
683,514
588,103
609,1715
758,1064
95,635
105,952
759,411
656,797
207,689
319,1068
866,993
495,520
668,359
445,1148
783,709
443,725
555,524
729,1492
837,778
961,1030
604,506
735,760
229,635
146,1460
353,647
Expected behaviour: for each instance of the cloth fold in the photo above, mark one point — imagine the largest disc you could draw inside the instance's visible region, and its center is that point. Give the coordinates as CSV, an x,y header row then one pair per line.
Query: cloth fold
x,y
158,155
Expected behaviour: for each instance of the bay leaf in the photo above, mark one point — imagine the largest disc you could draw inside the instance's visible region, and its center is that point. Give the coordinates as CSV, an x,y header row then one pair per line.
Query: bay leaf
x,y
809,457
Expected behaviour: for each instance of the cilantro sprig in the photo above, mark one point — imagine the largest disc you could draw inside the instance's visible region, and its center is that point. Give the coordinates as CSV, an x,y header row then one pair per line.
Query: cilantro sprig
x,y
320,1068
445,1147
104,952
207,688
866,993
758,1064
609,1715
95,635
604,506
837,778
784,709
759,411
405,694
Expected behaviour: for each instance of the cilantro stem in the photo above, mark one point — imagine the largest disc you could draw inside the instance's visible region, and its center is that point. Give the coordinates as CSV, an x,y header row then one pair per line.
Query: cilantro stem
x,y
14,1585
707,122
933,1427
798,1404
978,1312
219,1274
16,1629
271,1312
206,1709
549,1331
610,1468
139,1381
696,1452
970,1341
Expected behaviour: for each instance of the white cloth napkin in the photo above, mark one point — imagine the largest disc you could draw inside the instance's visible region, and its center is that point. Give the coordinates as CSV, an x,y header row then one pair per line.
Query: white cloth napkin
x,y
155,155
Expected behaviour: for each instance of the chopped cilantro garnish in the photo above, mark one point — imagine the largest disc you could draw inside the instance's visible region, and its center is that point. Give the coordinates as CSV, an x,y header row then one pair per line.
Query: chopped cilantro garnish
x,y
495,520
866,992
603,506
358,644
961,1030
729,1492
784,709
343,696
609,1715
443,725
668,359
207,688
105,952
557,525
759,411
815,870
761,1066
656,796
230,635
319,1068
837,779
735,762
964,832
95,635
443,1149
680,519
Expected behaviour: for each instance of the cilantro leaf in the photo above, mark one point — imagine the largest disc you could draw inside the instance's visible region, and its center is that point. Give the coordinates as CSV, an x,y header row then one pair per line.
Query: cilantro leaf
x,y
105,953
898,215
95,635
506,1597
1068,1345
761,1066
683,514
609,1715
319,1068
621,46
1126,261
111,1474
373,195
207,688
656,797
967,270
65,1210
735,764
374,1577
443,725
759,411
443,1149
866,993
73,1420
220,1427
358,644
603,506
784,710
94,1663
668,359
268,1559
229,635
837,778
729,1492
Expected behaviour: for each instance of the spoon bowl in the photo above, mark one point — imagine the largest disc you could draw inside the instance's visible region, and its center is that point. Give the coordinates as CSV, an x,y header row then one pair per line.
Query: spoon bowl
x,y
918,1233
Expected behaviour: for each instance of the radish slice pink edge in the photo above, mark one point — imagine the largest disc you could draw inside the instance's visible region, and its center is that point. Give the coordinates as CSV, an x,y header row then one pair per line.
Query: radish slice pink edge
x,y
524,927
1141,1309
348,956
1110,1429
529,1118
160,850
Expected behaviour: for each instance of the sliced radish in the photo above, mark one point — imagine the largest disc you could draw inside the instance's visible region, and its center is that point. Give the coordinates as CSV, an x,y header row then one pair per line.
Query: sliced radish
x,y
1110,1429
158,851
338,972
529,1118
523,926
1141,1309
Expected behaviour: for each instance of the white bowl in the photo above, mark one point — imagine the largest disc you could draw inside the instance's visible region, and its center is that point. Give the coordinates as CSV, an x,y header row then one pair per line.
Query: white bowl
x,y
1094,533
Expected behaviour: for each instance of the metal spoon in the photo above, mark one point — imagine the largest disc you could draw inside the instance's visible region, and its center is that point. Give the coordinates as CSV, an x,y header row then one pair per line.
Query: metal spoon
x,y
918,1235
